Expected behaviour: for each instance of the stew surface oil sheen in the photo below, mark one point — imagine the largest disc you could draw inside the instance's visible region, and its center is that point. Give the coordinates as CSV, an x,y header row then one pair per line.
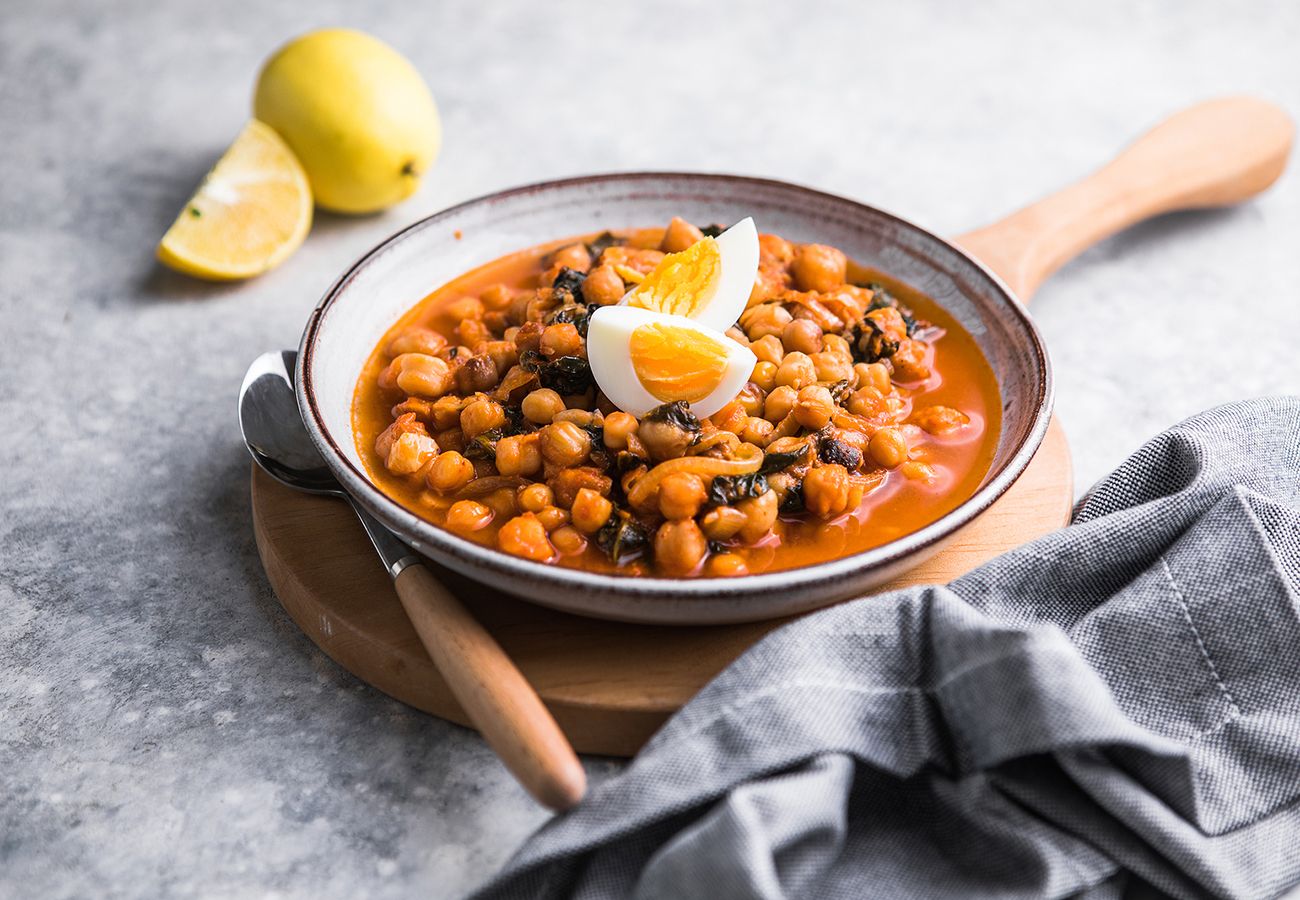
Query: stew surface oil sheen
x,y
869,414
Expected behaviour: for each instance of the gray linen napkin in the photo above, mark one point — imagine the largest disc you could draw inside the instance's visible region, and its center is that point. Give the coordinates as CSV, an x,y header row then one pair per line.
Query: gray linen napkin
x,y
1112,709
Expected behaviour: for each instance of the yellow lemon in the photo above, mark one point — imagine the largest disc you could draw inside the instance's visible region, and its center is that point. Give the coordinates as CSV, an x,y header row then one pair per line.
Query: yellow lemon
x,y
251,211
355,112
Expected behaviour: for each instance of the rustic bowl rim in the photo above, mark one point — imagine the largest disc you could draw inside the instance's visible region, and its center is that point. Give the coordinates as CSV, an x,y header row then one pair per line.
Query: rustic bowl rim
x,y
419,531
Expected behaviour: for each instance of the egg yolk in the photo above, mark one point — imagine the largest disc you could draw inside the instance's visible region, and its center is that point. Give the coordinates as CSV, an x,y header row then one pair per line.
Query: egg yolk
x,y
676,363
683,283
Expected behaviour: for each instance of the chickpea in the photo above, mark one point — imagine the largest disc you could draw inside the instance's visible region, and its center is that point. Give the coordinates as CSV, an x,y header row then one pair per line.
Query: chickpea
x,y
826,491
421,409
835,343
940,419
774,248
535,497
750,399
568,540
481,415
765,319
764,375
803,335
541,406
919,471
814,407
832,366
618,427
603,286
890,321
781,484
737,334
727,565
779,403
525,536
479,374
446,411
796,371
472,332
769,349
580,417
888,447
574,256
464,308
519,455
872,375
909,361
590,511
681,495
417,340
770,282
401,425
496,298
722,522
450,439
421,375
568,483
817,267
529,336
664,440
679,236
760,515
680,546
757,431
449,473
503,502
552,517
468,516
564,443
866,402
504,354
561,339
409,452
636,256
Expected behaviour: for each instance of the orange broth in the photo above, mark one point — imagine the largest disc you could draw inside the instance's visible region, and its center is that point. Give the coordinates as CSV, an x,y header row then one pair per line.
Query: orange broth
x,y
961,378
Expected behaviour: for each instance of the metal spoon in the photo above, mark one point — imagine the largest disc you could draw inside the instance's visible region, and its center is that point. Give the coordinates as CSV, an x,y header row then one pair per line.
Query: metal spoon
x,y
492,691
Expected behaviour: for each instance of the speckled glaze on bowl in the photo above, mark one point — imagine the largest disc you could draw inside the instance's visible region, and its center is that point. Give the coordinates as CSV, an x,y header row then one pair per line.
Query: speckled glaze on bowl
x,y
361,306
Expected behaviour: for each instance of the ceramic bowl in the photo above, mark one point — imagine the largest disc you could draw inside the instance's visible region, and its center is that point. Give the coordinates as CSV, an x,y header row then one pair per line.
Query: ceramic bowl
x,y
368,298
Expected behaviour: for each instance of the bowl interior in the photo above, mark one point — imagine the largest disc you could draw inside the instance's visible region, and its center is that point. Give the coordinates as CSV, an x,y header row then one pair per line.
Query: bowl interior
x,y
382,286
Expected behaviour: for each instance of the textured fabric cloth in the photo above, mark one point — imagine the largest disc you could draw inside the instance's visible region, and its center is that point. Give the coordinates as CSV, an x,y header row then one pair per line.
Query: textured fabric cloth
x,y
1112,710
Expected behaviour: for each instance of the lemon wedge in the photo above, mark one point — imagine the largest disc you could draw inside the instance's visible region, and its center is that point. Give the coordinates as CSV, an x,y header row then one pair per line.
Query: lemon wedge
x,y
251,211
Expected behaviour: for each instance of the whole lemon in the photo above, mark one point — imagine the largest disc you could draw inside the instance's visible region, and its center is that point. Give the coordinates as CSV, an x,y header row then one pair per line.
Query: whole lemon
x,y
357,115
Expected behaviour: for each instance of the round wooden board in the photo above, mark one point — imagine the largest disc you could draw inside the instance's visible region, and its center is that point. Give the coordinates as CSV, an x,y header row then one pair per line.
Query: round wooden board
x,y
610,685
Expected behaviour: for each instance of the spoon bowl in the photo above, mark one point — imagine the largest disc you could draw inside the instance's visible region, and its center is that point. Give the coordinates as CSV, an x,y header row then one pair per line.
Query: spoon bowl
x,y
273,429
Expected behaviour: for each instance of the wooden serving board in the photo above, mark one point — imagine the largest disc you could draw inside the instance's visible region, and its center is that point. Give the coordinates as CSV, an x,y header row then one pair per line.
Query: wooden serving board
x,y
610,685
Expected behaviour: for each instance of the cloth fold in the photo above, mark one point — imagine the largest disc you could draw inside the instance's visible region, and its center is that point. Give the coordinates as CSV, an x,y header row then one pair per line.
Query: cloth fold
x,y
1113,709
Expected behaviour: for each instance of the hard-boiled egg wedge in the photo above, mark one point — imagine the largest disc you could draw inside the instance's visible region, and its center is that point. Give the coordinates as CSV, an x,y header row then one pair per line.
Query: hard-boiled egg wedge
x,y
708,282
642,359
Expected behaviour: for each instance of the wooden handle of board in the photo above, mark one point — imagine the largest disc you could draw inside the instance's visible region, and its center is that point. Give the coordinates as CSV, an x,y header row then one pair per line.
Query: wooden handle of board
x,y
1213,154
494,694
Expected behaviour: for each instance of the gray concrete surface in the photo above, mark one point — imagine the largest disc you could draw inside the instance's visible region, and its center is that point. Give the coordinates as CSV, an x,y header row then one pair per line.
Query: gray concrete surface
x,y
164,728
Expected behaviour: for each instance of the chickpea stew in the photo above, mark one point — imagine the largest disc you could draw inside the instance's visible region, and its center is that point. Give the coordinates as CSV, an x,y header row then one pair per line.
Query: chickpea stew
x,y
869,413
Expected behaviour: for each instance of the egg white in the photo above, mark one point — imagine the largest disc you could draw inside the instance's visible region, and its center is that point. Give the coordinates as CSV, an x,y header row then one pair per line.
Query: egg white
x,y
609,331
738,255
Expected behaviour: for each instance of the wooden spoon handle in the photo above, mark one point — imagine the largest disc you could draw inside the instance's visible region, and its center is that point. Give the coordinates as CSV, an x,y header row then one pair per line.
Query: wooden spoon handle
x,y
1213,154
494,694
